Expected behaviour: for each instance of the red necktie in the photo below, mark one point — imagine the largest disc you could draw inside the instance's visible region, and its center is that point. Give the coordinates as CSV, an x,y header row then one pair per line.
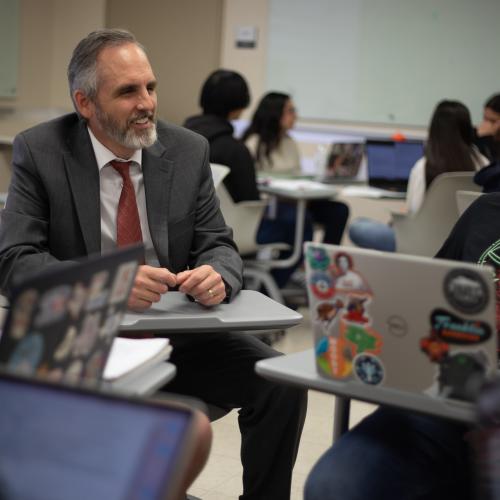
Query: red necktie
x,y
128,224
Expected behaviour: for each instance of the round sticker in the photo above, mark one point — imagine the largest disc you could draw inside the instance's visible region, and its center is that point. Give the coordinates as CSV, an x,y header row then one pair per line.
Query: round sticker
x,y
322,285
368,368
466,291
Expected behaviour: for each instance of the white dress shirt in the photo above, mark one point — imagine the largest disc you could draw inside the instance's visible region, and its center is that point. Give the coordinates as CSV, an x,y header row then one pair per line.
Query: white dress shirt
x,y
110,190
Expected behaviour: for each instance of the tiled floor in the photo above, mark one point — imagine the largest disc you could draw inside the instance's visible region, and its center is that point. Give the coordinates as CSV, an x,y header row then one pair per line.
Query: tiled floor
x,y
221,478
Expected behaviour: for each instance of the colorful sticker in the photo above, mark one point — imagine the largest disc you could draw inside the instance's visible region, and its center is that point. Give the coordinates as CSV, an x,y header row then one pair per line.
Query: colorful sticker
x,y
52,307
451,328
462,374
436,349
22,313
322,285
94,366
77,300
318,258
334,357
27,354
345,277
363,340
112,323
97,293
88,335
64,348
123,280
74,371
327,312
466,291
368,369
355,310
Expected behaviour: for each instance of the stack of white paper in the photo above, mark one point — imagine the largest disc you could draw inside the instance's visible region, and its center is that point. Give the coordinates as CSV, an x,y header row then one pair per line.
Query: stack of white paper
x,y
133,355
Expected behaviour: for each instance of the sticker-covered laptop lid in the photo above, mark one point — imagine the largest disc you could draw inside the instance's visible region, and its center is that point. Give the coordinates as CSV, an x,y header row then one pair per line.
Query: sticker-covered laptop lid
x,y
399,321
62,321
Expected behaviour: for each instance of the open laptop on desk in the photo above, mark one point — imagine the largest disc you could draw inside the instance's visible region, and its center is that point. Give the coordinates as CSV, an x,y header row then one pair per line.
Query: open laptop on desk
x,y
345,163
63,443
390,162
419,325
62,321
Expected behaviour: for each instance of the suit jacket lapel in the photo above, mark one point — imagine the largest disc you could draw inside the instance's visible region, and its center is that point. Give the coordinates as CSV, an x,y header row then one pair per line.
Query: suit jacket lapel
x,y
83,175
157,173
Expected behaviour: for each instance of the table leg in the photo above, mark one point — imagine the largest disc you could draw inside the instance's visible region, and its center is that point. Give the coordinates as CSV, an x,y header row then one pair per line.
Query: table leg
x,y
341,416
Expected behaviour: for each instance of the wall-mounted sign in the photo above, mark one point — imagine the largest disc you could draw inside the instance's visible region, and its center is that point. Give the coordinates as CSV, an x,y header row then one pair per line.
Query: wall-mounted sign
x,y
245,37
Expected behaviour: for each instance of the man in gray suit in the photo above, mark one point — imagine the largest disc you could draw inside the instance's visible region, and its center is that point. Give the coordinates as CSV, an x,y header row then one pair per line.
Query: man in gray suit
x,y
63,203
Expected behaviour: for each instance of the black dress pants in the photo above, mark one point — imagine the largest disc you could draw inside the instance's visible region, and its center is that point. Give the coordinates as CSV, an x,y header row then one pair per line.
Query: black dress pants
x,y
219,368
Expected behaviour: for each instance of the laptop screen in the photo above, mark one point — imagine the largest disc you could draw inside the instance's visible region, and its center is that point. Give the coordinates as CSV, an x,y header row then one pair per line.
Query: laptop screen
x,y
58,444
390,161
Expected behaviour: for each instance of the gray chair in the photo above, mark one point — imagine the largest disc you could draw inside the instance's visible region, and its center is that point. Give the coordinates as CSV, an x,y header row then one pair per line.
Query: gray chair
x,y
465,198
244,218
424,232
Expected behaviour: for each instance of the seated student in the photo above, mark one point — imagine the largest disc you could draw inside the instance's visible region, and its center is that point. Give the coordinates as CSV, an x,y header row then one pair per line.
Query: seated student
x,y
449,148
275,151
112,174
223,97
400,455
487,134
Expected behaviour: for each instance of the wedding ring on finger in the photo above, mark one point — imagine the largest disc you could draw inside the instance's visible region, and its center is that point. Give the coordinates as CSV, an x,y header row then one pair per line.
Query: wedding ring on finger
x,y
211,292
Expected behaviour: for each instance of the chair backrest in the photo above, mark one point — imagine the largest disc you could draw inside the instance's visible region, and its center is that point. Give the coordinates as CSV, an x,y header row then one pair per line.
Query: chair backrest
x,y
423,233
465,198
218,173
244,218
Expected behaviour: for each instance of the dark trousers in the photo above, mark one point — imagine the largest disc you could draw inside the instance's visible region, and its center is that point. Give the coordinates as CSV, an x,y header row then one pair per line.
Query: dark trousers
x,y
220,369
395,455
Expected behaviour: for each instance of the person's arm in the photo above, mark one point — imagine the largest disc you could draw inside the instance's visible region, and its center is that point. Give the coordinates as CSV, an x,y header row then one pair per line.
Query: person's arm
x,y
416,187
24,246
241,182
213,245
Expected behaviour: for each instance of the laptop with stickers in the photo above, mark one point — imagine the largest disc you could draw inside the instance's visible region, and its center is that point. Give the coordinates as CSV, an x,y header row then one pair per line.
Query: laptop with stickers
x,y
62,321
63,442
401,322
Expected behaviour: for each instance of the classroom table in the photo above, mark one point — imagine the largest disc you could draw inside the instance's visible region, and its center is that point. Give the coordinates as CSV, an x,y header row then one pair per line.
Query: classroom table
x,y
300,191
299,369
175,313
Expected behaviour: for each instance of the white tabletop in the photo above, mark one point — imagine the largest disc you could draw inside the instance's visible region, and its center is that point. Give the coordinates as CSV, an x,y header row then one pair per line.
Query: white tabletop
x,y
175,313
299,369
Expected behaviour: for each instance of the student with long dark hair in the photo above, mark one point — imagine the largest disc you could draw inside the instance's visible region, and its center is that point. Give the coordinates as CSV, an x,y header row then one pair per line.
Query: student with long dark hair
x,y
449,148
275,151
224,96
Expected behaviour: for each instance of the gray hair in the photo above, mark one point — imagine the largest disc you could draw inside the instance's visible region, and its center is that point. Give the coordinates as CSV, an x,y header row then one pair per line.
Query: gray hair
x,y
82,68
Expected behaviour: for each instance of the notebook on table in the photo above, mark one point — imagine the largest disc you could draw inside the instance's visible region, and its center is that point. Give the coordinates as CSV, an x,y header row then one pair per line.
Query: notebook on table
x,y
414,324
390,162
62,321
64,443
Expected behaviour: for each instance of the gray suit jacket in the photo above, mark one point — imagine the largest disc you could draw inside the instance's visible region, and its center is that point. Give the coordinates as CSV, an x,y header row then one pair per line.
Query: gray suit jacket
x,y
53,210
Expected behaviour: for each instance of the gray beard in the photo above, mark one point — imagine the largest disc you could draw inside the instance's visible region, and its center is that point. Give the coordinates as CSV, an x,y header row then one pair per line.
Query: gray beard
x,y
125,136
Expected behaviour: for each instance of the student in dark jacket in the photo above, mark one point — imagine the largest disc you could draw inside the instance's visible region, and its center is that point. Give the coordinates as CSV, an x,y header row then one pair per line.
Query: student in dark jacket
x,y
223,98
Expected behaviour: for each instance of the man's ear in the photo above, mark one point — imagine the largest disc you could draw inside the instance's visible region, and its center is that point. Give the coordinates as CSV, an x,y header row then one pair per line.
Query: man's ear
x,y
84,105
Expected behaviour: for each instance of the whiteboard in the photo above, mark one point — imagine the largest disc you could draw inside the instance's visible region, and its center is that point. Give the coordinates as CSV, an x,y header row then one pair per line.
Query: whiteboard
x,y
383,61
9,43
